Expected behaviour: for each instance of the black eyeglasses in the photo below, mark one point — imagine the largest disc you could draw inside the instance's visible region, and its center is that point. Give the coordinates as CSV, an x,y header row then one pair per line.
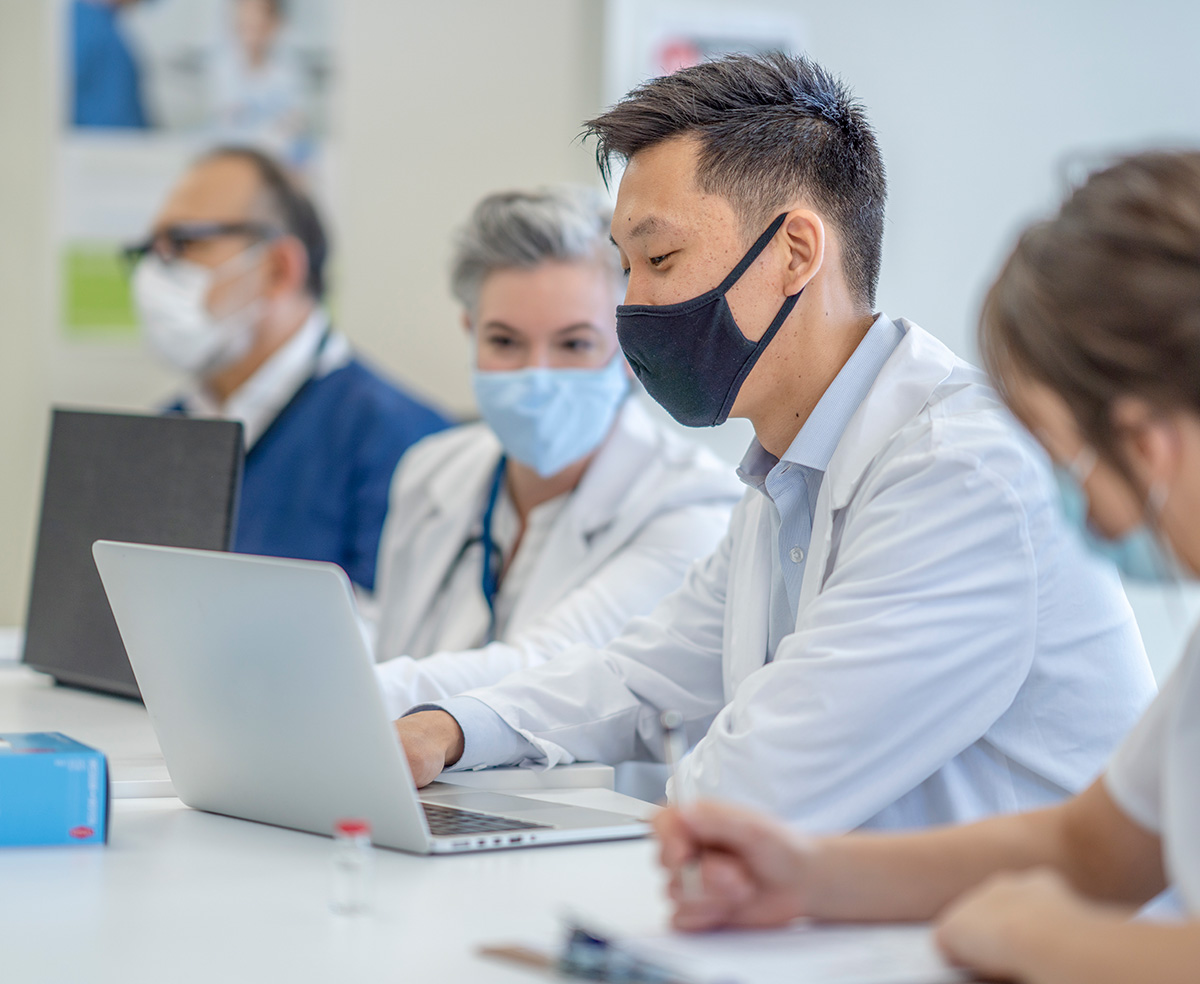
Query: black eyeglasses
x,y
170,243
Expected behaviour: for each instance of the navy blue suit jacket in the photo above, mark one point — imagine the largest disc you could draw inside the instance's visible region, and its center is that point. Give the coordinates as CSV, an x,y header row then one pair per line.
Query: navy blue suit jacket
x,y
315,484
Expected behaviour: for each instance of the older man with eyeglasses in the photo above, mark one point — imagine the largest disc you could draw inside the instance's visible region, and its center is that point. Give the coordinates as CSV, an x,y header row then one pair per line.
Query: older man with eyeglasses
x,y
229,288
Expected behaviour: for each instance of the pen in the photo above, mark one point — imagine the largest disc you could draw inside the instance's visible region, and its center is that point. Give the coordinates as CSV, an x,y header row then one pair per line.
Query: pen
x,y
674,748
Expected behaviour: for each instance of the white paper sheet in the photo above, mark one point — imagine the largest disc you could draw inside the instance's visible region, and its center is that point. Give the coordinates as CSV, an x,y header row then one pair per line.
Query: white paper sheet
x,y
803,954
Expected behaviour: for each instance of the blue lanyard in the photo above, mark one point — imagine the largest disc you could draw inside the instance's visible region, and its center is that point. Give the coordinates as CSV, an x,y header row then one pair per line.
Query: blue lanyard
x,y
493,557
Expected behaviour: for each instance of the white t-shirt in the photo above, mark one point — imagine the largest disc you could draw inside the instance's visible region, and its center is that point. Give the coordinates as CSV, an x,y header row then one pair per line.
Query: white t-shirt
x,y
1155,775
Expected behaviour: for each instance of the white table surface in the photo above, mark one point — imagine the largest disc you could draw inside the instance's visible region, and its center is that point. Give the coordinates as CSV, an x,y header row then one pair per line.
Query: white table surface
x,y
118,726
179,895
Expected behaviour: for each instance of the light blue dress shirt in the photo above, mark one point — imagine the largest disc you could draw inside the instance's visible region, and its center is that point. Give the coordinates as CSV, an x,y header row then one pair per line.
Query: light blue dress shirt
x,y
790,483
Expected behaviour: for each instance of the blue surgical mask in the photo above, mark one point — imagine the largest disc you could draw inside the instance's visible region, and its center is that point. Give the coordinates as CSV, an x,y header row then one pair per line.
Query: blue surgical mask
x,y
1137,555
550,418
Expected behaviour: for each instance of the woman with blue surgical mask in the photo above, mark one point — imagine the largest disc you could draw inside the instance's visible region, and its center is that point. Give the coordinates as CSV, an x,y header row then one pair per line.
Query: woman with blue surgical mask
x,y
566,510
1092,333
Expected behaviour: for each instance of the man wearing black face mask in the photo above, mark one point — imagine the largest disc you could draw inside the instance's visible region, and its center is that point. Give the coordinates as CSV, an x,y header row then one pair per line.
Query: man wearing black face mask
x,y
898,628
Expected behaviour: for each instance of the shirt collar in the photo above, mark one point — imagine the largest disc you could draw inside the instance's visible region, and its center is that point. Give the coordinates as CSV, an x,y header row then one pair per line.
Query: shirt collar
x,y
259,400
813,447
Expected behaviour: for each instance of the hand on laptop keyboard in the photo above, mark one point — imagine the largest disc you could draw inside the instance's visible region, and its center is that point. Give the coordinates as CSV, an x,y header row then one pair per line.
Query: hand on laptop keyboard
x,y
432,740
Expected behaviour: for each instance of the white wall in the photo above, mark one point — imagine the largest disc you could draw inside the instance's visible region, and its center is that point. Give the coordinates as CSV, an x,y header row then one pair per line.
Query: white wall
x,y
978,106
442,103
26,307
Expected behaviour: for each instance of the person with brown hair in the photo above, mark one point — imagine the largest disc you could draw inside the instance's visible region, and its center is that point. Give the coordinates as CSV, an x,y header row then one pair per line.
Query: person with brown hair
x,y
897,629
1092,332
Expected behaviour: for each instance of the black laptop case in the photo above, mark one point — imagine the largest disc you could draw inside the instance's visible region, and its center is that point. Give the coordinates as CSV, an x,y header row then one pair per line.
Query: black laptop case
x,y
167,480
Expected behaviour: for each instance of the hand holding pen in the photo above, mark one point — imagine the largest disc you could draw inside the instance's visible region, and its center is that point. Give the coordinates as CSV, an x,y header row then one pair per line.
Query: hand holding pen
x,y
749,870
674,749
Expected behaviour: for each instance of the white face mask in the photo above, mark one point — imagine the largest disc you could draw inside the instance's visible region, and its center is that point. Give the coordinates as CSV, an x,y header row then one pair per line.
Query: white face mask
x,y
179,328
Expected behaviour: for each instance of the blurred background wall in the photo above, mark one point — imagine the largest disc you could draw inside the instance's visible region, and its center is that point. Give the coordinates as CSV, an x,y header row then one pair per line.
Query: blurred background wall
x,y
27,324
985,110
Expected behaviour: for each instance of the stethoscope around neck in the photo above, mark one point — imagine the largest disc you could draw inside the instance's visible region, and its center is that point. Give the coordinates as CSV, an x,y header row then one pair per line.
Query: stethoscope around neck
x,y
493,556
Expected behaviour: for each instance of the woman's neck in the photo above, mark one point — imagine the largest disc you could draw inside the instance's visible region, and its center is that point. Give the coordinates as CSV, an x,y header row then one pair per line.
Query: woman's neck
x,y
529,489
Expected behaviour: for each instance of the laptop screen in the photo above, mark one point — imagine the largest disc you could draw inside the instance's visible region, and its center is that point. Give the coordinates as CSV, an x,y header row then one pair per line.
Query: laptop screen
x,y
170,480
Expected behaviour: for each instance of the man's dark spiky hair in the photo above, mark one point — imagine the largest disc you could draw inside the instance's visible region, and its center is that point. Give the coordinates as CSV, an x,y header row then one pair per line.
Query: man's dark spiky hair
x,y
772,128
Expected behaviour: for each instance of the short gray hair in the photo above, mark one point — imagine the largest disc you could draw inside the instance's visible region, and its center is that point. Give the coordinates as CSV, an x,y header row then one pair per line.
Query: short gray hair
x,y
523,229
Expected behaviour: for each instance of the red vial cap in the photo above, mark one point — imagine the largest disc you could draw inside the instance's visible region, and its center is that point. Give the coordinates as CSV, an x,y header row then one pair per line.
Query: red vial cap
x,y
353,828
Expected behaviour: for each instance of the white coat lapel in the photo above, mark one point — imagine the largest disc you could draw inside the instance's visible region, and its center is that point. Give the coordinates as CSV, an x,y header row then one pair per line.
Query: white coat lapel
x,y
902,390
441,526
580,540
748,596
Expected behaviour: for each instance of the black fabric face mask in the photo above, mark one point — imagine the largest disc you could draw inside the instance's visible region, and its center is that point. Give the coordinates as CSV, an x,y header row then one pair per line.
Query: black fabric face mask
x,y
692,357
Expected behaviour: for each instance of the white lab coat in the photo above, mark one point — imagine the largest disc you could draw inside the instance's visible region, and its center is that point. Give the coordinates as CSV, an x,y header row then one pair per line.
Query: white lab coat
x,y
648,506
955,652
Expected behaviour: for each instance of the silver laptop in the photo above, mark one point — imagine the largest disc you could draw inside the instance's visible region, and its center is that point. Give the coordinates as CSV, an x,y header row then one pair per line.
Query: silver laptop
x,y
261,688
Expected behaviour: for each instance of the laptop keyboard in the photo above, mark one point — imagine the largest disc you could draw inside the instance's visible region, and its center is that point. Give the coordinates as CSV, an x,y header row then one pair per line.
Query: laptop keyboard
x,y
446,821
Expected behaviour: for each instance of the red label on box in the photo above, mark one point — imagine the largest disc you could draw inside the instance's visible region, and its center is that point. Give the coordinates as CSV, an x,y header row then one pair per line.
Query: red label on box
x,y
81,832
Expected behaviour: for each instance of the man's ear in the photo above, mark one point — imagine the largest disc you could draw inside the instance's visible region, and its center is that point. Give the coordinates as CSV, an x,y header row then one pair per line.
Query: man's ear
x,y
287,266
468,327
804,236
1150,440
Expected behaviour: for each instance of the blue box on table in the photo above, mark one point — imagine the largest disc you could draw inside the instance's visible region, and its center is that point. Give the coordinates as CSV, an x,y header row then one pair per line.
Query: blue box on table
x,y
53,790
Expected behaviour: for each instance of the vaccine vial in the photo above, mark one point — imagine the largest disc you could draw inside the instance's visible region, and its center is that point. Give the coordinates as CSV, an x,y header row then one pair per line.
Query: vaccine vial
x,y
351,883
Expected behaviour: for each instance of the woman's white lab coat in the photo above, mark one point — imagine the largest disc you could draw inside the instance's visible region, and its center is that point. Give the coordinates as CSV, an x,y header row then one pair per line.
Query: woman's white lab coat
x,y
648,506
955,653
